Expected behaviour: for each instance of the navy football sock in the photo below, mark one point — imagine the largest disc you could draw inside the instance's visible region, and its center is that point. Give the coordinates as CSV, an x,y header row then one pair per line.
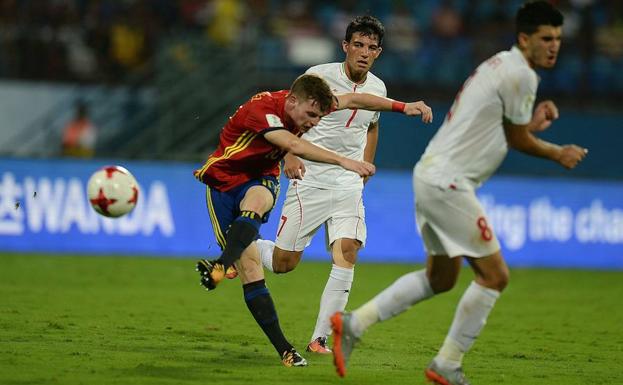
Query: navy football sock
x,y
261,305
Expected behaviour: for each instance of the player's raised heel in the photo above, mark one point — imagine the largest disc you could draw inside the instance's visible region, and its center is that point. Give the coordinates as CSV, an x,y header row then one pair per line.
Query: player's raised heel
x,y
291,358
438,375
212,272
319,346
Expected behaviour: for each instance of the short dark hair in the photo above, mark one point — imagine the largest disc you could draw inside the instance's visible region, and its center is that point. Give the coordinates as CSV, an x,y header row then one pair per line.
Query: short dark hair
x,y
533,14
367,26
309,86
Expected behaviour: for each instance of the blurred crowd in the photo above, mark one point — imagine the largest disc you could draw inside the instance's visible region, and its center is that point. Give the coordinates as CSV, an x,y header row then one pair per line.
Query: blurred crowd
x,y
428,42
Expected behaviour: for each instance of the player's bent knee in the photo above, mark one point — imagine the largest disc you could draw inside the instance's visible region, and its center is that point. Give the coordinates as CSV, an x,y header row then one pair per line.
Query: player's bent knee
x,y
285,261
443,274
496,281
441,284
501,280
283,268
350,256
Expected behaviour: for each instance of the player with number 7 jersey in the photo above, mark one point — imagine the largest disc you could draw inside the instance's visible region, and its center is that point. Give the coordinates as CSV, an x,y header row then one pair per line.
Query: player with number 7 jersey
x,y
322,194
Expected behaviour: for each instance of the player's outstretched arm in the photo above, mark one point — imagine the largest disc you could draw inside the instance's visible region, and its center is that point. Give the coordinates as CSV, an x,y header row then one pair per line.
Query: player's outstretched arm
x,y
371,102
306,150
520,138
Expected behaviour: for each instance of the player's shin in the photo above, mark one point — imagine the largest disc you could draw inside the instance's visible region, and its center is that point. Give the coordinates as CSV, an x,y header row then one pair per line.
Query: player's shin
x,y
334,298
469,319
261,306
406,291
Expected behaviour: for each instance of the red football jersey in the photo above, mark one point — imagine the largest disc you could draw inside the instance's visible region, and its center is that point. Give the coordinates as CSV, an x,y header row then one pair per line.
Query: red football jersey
x,y
243,153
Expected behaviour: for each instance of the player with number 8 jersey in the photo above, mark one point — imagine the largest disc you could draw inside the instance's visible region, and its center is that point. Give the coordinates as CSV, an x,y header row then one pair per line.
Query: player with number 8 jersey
x,y
494,110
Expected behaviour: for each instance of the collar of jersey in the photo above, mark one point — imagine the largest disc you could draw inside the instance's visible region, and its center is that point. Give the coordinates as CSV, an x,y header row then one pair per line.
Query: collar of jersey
x,y
516,51
343,72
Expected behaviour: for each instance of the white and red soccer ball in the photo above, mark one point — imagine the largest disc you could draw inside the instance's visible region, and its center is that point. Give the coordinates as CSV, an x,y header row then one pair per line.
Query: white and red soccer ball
x,y
112,191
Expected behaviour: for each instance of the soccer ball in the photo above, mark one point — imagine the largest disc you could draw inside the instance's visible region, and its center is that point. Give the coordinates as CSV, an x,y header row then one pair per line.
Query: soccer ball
x,y
112,191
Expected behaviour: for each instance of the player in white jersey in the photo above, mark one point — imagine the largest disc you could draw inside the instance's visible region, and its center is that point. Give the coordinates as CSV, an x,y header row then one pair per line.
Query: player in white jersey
x,y
492,111
322,194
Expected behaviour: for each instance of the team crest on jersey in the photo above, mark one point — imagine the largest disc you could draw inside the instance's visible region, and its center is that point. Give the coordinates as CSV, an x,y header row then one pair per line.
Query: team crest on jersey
x,y
273,121
528,103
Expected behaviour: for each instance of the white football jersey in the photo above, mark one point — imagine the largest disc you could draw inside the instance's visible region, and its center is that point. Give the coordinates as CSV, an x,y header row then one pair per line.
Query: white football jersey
x,y
470,144
343,131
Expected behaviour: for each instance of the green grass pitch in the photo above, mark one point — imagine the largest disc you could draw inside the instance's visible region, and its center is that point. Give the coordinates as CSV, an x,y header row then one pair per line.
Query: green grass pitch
x,y
104,320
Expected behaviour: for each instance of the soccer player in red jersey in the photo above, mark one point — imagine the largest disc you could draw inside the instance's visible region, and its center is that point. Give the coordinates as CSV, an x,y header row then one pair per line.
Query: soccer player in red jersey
x,y
242,179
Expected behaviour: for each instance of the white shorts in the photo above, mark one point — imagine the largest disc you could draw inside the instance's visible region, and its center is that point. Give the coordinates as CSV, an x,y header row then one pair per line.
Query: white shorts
x,y
452,222
306,208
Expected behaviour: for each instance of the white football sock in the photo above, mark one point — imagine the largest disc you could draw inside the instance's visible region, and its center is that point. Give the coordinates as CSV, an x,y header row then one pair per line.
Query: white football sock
x,y
469,319
334,298
266,248
405,292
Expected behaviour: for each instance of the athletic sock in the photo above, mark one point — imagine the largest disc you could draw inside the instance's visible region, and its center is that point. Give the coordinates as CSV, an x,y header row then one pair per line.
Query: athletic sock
x,y
405,292
266,249
469,319
242,232
334,298
261,305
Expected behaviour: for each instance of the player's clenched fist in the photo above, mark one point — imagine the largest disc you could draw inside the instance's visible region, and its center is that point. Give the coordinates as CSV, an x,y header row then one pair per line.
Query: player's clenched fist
x,y
544,114
571,155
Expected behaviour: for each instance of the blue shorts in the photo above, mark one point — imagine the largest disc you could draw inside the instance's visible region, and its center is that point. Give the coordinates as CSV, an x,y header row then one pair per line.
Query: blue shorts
x,y
224,206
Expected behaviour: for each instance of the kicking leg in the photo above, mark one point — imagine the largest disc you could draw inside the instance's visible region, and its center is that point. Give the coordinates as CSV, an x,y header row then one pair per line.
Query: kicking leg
x,y
243,231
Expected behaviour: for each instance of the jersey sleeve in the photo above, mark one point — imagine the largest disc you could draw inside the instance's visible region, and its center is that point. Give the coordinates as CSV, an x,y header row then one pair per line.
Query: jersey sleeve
x,y
314,70
262,117
518,92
